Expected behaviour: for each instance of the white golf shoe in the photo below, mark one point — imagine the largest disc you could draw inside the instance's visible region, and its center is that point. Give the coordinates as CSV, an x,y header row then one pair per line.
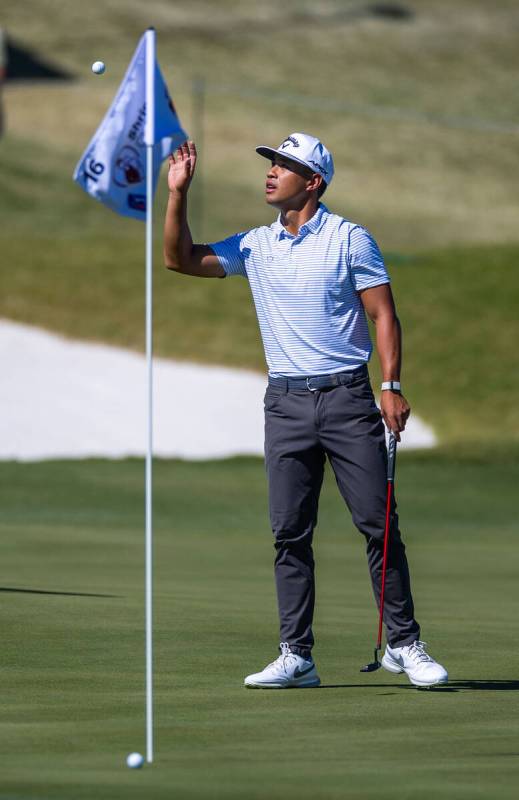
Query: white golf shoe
x,y
420,668
289,671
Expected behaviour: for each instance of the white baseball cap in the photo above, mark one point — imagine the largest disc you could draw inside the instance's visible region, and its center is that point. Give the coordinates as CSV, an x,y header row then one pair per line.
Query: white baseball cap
x,y
305,150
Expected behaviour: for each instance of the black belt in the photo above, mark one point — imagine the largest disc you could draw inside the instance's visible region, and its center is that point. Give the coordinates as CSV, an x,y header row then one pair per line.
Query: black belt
x,y
316,382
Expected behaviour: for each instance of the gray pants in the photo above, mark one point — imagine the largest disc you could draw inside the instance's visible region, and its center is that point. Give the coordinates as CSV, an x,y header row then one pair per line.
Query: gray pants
x,y
302,428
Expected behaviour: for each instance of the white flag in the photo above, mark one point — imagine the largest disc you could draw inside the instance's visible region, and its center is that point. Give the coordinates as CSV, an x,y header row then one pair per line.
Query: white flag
x,y
113,167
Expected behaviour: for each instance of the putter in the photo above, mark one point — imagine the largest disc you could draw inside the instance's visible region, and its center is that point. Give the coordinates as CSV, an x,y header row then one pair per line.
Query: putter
x,y
391,458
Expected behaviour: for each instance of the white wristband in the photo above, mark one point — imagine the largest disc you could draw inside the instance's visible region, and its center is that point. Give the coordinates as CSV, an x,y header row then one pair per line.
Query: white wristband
x,y
392,386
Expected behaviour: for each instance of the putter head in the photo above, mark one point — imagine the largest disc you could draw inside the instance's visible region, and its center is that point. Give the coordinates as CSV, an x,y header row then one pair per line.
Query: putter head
x,y
371,667
375,664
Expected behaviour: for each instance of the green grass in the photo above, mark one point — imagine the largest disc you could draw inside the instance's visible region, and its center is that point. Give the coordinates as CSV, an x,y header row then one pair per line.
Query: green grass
x,y
459,313
72,671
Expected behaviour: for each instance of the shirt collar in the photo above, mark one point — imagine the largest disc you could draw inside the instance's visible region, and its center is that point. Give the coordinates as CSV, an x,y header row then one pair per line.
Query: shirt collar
x,y
312,226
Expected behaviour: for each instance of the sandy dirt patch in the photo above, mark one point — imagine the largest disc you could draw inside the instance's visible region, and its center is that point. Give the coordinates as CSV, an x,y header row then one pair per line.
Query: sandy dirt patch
x,y
67,399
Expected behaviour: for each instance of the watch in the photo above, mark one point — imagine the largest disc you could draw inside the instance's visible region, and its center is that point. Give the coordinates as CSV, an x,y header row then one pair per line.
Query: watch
x,y
392,386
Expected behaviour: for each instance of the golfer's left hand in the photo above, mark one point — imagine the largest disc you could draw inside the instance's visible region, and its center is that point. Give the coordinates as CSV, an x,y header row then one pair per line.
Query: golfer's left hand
x,y
395,411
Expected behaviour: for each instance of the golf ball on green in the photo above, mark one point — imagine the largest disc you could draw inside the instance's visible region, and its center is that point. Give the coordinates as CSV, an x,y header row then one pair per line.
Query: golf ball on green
x,y
135,760
98,67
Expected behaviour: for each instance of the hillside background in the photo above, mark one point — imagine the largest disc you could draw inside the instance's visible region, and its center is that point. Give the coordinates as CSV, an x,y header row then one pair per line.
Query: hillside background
x,y
418,103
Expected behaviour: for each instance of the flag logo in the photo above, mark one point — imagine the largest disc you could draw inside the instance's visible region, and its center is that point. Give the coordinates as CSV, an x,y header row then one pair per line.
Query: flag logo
x,y
137,202
128,167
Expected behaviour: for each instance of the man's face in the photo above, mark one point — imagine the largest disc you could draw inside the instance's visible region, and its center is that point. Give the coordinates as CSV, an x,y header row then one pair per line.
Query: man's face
x,y
287,183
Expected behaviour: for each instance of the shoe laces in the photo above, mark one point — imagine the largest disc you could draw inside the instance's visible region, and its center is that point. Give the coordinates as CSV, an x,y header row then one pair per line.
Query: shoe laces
x,y
416,651
281,660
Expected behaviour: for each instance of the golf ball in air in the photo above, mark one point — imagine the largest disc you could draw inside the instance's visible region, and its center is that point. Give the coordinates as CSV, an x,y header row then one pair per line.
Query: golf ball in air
x,y
135,760
98,67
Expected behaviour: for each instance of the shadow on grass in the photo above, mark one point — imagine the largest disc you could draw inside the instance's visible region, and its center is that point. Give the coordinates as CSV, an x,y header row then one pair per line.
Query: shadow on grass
x,y
487,685
361,686
453,686
60,594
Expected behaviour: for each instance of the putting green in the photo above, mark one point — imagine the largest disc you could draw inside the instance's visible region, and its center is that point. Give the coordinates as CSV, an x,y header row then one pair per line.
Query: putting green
x,y
72,649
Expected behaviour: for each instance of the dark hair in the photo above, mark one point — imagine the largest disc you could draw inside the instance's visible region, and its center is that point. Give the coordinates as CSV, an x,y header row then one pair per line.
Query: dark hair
x,y
321,190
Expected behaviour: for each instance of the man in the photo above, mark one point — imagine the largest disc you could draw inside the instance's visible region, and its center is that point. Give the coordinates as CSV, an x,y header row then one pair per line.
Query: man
x,y
314,276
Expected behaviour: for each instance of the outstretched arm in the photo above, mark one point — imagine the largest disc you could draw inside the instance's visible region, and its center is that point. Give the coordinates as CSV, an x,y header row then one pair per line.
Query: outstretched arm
x,y
380,307
180,254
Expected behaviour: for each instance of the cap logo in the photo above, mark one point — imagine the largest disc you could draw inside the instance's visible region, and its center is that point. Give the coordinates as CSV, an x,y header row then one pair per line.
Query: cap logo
x,y
289,140
319,166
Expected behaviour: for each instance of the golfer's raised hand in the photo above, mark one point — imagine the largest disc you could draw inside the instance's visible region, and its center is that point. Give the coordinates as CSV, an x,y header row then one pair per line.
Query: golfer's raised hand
x,y
395,411
182,167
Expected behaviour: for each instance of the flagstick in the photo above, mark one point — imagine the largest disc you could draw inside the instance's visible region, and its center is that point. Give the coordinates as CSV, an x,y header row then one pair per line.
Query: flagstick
x,y
149,138
149,458
96,174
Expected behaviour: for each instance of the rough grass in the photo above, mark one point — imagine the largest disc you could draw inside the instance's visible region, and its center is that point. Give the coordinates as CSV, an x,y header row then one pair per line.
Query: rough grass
x,y
73,663
421,114
411,109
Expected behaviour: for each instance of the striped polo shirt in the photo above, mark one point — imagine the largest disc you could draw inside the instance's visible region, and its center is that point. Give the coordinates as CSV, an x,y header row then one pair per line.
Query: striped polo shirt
x,y
305,290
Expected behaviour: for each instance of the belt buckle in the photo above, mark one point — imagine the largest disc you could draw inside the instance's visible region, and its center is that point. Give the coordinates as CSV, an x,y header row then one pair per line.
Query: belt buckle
x,y
309,387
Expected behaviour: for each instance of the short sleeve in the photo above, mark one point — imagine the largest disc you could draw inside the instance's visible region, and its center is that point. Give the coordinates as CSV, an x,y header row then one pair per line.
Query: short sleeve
x,y
231,254
365,260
